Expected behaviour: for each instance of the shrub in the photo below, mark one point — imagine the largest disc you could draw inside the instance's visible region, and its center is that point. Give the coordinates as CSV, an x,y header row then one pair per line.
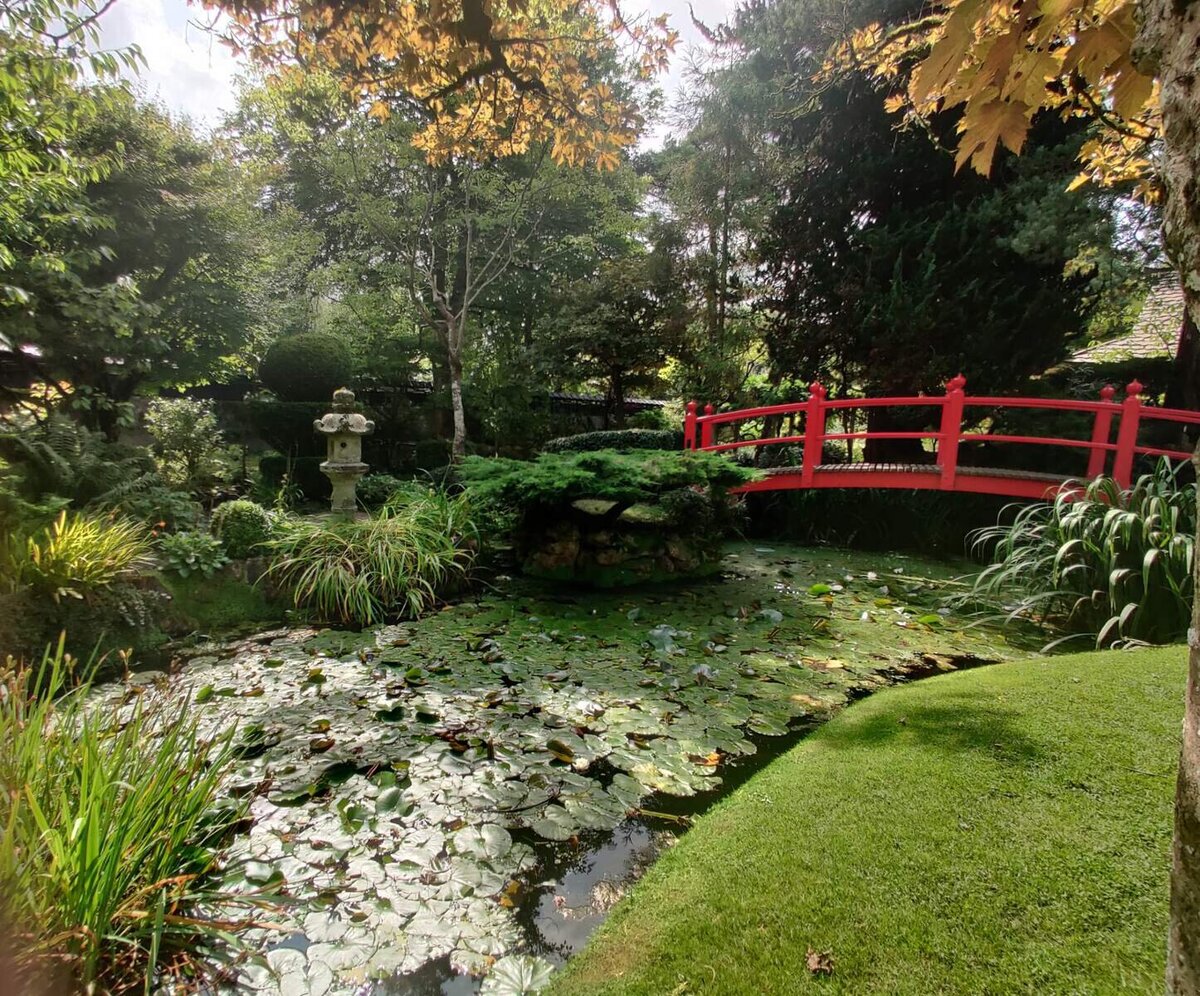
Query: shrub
x,y
307,367
242,526
657,419
109,832
77,555
302,473
162,508
188,439
1100,561
191,553
60,459
556,479
360,571
375,489
617,439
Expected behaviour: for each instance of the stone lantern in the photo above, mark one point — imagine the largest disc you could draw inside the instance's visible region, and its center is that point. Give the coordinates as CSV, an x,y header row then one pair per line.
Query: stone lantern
x,y
343,429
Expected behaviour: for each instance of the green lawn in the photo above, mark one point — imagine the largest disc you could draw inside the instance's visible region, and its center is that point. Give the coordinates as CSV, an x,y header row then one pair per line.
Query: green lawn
x,y
1002,830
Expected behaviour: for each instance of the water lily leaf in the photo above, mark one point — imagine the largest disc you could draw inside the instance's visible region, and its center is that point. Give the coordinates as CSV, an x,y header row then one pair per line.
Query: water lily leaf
x,y
204,694
488,842
259,872
516,975
391,802
820,589
555,824
661,638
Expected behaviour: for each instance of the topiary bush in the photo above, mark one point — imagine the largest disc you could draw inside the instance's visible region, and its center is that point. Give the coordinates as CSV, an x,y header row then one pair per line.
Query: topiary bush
x,y
241,526
617,439
307,367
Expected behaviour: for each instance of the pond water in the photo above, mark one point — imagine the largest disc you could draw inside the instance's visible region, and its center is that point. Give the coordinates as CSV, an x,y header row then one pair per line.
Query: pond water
x,y
453,805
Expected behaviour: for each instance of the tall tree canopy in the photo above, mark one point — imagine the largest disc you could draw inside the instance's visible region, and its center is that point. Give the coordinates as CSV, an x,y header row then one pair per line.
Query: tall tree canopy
x,y
487,77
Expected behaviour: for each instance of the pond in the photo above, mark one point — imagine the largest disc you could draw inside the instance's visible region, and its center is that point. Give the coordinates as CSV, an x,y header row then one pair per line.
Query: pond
x,y
455,803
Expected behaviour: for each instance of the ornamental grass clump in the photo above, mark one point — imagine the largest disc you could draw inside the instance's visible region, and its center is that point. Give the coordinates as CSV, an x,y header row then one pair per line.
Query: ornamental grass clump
x,y
1099,561
362,571
109,832
77,555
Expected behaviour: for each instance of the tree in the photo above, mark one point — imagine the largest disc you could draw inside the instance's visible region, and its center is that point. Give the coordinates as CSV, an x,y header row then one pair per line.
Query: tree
x,y
486,78
618,327
47,48
883,270
154,290
464,252
1131,69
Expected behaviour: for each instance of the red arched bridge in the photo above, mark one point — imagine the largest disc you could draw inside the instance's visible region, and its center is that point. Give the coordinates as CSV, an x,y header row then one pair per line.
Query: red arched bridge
x,y
949,461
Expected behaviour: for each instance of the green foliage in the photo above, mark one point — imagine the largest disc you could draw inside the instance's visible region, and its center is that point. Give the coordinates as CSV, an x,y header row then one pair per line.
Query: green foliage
x,y
242,526
297,477
154,262
375,489
47,48
218,604
188,439
59,458
617,439
162,508
361,571
1112,564
77,555
191,553
556,479
109,830
307,367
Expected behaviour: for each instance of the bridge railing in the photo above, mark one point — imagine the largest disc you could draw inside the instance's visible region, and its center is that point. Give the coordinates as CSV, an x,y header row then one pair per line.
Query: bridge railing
x,y
1131,414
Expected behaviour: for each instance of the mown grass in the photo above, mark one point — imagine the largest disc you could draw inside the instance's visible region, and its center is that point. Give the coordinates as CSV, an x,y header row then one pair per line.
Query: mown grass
x,y
1003,830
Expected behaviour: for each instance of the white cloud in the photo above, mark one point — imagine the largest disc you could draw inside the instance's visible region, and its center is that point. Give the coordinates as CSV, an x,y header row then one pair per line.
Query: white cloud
x,y
188,69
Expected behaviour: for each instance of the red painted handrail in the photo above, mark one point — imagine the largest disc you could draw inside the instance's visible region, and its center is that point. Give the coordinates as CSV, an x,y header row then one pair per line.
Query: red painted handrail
x,y
700,432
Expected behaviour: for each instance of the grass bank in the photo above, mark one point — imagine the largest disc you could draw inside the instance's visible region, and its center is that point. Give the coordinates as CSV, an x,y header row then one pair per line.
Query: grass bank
x,y
1003,830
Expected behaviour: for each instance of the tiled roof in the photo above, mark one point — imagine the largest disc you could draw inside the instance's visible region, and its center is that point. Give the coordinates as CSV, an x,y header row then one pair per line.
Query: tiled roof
x,y
1154,334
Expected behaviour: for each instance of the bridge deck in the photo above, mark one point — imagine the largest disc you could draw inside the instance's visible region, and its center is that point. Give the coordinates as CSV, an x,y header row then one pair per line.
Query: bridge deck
x,y
915,476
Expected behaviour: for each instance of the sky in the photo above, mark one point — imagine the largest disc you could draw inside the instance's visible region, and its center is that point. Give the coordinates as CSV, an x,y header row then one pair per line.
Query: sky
x,y
193,73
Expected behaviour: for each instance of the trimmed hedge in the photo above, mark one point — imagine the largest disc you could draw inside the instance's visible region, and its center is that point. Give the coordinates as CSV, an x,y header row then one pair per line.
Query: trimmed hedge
x,y
307,367
617,439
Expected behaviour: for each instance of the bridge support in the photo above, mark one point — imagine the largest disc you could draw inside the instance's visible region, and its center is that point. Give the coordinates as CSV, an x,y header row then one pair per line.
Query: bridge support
x,y
951,430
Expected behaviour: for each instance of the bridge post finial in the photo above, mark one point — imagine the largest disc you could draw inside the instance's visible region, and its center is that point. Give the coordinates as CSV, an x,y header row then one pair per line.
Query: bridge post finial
x,y
1127,434
956,384
706,429
689,426
1108,392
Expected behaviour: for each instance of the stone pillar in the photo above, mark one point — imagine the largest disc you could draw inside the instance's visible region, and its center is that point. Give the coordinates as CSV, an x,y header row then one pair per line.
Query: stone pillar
x,y
343,429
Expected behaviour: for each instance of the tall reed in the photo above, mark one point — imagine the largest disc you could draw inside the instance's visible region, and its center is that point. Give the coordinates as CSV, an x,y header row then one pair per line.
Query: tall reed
x,y
1098,560
108,832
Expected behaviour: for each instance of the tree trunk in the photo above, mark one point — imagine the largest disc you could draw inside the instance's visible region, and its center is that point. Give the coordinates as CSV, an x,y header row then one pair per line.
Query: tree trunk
x,y
1183,391
1168,42
459,448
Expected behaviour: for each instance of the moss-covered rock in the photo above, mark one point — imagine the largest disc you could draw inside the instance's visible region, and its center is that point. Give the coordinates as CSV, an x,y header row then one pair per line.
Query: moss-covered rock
x,y
606,544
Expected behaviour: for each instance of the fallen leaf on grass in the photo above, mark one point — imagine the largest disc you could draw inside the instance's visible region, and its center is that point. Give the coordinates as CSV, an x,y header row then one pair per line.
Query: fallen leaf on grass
x,y
819,962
